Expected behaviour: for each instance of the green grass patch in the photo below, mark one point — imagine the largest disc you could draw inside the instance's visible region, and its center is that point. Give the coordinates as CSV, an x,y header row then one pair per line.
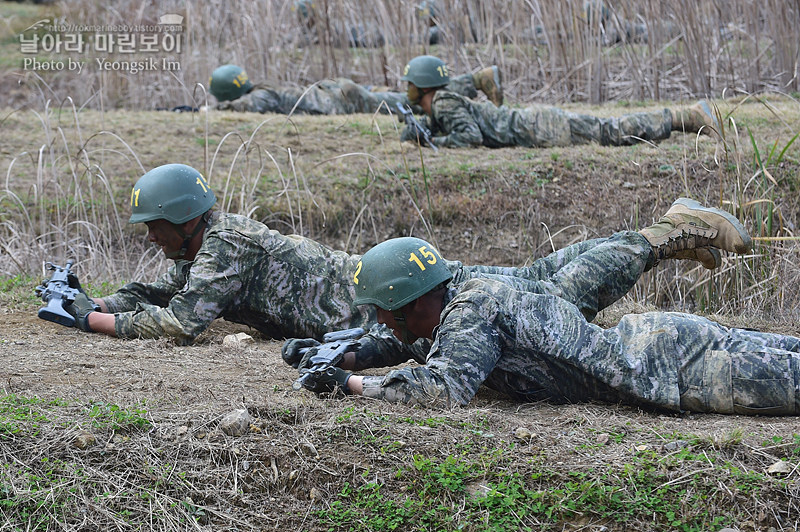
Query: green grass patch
x,y
22,415
471,486
110,416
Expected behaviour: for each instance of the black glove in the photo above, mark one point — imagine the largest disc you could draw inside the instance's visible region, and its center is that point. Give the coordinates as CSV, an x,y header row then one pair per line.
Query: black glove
x,y
74,283
80,309
330,380
291,351
408,133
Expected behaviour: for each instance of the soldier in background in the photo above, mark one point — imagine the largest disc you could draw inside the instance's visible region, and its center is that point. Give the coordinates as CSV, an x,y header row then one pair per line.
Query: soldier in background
x,y
356,35
615,29
231,86
456,121
334,31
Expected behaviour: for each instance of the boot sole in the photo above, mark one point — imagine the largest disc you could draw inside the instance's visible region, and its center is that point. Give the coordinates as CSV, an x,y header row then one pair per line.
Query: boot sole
x,y
702,104
498,82
690,206
710,258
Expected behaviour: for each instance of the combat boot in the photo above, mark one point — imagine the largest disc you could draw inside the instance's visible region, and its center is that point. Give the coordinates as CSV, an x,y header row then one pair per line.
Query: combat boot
x,y
708,257
697,118
490,82
688,227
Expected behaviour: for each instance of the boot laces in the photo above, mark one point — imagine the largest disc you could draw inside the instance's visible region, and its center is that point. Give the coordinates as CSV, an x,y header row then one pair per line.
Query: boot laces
x,y
690,237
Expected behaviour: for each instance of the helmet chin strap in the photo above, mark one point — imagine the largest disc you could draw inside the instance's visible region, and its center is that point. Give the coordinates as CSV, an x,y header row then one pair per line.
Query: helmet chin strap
x,y
187,238
407,337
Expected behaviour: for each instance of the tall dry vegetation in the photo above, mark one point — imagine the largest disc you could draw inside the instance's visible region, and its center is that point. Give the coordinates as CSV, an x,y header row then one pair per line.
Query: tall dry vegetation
x,y
58,195
550,51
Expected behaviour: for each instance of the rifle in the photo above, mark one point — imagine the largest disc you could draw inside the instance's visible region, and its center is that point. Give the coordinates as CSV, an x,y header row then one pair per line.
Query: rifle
x,y
329,353
421,132
57,293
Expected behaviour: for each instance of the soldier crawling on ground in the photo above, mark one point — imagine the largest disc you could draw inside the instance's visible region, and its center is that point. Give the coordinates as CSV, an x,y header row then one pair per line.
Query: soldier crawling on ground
x,y
532,344
230,85
288,286
456,121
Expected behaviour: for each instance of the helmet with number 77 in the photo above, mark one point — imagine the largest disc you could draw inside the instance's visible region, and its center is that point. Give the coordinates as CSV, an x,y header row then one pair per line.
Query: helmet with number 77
x,y
173,192
398,271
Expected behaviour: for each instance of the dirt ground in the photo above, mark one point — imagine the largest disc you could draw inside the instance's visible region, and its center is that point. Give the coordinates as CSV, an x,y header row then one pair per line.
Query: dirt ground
x,y
300,450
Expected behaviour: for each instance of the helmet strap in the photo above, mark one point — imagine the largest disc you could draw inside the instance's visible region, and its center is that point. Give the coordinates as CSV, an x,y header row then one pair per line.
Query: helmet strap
x,y
187,238
407,337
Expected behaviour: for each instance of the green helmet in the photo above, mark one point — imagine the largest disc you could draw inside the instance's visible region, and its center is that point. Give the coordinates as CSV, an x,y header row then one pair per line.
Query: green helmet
x,y
398,271
592,8
426,9
229,82
173,192
426,71
304,8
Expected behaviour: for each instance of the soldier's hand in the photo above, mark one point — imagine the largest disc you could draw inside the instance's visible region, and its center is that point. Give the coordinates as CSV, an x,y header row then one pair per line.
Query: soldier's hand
x,y
74,283
291,351
408,133
330,380
80,309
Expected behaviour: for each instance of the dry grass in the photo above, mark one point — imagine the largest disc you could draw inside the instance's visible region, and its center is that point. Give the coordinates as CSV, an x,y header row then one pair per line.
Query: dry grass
x,y
348,182
549,51
67,169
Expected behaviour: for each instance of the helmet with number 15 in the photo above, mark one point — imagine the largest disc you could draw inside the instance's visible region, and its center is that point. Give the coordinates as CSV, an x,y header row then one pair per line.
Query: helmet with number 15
x,y
398,271
426,71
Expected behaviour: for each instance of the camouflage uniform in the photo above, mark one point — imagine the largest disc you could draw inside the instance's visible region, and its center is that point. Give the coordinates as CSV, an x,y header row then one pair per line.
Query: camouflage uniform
x,y
331,97
616,29
590,275
458,122
533,347
244,272
291,286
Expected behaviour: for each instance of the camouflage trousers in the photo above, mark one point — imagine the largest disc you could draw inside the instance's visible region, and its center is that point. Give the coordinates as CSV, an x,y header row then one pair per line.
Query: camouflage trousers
x,y
591,274
737,371
620,131
332,97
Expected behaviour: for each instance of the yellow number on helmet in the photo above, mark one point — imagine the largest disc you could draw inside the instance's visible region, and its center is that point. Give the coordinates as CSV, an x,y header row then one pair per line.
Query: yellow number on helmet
x,y
355,275
430,256
413,258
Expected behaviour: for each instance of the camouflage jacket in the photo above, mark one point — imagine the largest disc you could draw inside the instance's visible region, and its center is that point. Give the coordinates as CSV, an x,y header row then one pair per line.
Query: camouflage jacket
x,y
532,347
283,286
591,275
291,286
456,121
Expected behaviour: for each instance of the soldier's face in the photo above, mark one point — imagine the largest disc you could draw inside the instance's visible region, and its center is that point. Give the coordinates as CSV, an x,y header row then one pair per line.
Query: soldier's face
x,y
408,331
414,94
387,318
164,234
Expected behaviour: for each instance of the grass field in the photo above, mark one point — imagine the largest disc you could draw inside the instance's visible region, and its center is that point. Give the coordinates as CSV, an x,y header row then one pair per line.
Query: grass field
x,y
98,433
